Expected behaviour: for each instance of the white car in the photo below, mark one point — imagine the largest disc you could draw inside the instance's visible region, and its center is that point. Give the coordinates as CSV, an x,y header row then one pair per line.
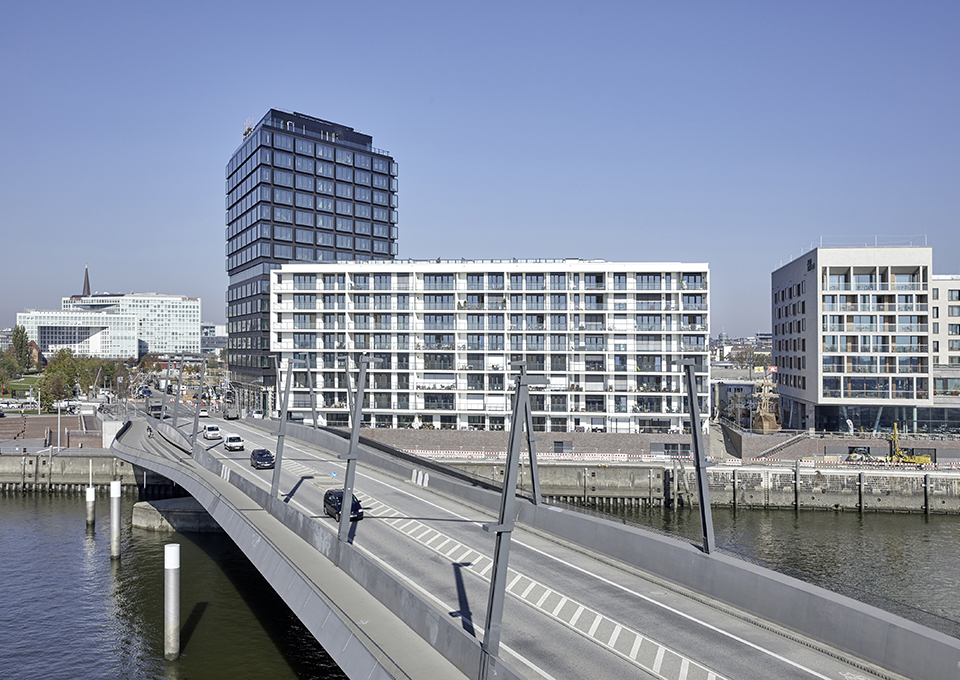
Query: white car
x,y
204,413
212,432
233,442
256,413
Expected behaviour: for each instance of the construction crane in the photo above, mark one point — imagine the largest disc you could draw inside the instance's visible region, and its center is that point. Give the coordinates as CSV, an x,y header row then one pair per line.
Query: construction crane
x,y
897,455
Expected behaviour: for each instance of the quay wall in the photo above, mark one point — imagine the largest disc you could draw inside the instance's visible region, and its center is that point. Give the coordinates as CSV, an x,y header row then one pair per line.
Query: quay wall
x,y
69,471
748,486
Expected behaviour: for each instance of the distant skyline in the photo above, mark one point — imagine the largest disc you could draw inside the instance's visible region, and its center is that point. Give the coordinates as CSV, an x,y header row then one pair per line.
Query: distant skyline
x,y
736,134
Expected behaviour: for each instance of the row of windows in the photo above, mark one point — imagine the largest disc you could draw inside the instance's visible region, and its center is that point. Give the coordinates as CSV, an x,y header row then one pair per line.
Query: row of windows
x,y
309,236
322,151
564,280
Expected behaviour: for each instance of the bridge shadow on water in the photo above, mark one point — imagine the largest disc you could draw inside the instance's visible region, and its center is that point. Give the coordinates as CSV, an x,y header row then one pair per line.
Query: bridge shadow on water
x,y
305,656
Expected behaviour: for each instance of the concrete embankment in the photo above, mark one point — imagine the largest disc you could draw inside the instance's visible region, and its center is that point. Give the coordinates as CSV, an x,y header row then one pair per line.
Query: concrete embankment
x,y
69,470
174,514
755,486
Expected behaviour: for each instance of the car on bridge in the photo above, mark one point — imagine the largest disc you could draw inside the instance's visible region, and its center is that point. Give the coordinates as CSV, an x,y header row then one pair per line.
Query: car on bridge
x,y
212,432
333,502
233,442
261,459
204,413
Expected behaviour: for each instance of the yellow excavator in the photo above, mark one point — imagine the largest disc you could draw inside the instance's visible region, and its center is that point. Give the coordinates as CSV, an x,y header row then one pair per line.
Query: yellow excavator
x,y
897,455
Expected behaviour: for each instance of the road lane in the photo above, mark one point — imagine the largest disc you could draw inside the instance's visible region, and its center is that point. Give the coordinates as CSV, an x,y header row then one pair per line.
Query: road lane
x,y
437,544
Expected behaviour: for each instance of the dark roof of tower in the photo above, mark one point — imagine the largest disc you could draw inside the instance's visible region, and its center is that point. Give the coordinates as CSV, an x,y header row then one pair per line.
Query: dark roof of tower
x,y
86,281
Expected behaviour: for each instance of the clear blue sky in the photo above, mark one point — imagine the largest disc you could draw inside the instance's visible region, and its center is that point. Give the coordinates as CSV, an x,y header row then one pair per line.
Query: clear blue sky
x,y
731,133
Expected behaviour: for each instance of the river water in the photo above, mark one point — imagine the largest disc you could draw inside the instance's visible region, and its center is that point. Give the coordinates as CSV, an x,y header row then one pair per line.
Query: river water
x,y
68,611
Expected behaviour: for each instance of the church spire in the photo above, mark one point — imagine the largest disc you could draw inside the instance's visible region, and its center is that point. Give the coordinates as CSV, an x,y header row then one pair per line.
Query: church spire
x,y
86,281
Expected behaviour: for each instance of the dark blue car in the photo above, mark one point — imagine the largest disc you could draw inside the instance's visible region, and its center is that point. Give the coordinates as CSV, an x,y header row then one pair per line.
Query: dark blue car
x,y
333,502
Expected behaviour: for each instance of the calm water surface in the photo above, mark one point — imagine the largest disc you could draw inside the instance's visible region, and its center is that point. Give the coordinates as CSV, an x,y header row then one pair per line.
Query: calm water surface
x,y
68,611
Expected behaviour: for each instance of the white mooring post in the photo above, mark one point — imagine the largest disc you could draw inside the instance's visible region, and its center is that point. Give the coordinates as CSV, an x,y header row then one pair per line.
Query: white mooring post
x,y
115,520
91,499
171,601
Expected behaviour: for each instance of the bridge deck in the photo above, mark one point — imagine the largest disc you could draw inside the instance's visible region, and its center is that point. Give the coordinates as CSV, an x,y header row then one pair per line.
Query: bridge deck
x,y
331,598
568,613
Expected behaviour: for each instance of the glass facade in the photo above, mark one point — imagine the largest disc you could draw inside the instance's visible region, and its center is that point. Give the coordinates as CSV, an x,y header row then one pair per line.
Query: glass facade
x,y
299,189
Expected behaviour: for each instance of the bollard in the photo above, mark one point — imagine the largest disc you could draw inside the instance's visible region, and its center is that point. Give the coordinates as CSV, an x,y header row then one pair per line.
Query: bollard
x,y
91,499
91,505
115,520
171,601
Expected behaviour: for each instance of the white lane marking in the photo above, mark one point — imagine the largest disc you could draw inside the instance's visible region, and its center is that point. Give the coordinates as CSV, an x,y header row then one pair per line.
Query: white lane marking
x,y
684,668
514,581
616,634
526,591
576,617
543,598
636,647
659,660
677,612
563,601
596,624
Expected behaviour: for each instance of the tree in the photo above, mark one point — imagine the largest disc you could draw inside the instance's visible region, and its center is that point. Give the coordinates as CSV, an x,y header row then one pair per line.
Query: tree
x,y
21,346
53,388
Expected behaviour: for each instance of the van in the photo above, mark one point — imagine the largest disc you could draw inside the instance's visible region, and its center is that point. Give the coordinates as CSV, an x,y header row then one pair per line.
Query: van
x,y
212,432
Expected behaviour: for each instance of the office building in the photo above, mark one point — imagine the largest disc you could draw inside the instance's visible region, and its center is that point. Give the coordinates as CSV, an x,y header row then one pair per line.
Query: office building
x,y
103,334
854,342
299,189
213,337
606,338
117,326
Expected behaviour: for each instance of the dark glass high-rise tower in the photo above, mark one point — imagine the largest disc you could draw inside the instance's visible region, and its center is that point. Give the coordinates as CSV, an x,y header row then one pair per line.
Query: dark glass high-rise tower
x,y
299,189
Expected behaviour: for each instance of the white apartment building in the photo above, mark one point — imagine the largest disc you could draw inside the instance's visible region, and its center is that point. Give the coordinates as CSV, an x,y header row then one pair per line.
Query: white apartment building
x,y
606,337
945,319
117,326
853,341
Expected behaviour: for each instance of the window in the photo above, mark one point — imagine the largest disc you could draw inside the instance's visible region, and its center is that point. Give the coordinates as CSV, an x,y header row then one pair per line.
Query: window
x,y
648,282
953,310
283,233
953,329
438,281
953,295
326,169
344,241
